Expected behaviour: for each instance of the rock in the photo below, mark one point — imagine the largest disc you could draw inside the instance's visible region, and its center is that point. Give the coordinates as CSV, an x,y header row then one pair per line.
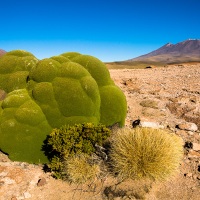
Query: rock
x,y
188,126
194,176
193,154
188,145
8,181
155,125
150,67
41,182
189,175
196,147
181,133
190,133
27,195
135,123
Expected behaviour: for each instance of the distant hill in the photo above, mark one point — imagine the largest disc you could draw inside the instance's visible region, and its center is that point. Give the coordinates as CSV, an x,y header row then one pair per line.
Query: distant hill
x,y
186,51
2,52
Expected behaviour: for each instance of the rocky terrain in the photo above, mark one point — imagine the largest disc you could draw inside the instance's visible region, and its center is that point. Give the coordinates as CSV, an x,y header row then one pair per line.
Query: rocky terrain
x,y
168,98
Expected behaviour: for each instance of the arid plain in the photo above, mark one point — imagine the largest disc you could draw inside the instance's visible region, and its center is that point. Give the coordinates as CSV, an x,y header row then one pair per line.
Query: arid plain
x,y
167,97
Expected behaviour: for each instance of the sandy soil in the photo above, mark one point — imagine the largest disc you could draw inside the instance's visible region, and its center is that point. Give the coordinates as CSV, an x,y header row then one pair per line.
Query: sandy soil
x,y
166,96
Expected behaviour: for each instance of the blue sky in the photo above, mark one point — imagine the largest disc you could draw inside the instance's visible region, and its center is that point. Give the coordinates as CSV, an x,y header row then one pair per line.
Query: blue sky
x,y
111,30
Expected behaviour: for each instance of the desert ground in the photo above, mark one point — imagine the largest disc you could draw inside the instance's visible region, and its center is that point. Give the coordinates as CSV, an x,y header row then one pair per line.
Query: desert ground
x,y
164,97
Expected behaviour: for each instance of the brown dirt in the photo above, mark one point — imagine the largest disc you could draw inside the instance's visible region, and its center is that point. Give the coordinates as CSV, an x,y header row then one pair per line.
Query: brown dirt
x,y
168,96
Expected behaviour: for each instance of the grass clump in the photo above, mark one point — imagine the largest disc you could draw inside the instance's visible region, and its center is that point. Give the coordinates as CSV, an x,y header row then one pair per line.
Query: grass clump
x,y
81,168
145,153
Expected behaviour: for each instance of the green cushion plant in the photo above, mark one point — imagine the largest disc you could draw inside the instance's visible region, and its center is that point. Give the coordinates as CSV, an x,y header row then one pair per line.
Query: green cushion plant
x,y
14,69
23,128
67,89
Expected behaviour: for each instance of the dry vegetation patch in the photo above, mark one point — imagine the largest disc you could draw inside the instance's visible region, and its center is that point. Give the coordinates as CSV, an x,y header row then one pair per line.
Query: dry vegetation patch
x,y
145,153
81,168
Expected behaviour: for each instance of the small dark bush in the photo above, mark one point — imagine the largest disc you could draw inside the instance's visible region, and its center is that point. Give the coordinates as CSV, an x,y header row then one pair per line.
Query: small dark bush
x,y
69,141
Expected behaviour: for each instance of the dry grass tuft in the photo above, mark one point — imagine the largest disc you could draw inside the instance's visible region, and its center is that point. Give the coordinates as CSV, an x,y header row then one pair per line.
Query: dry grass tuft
x,y
81,168
145,153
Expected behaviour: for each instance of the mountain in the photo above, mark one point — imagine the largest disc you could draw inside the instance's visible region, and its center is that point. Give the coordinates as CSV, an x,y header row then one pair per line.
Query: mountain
x,y
2,52
186,51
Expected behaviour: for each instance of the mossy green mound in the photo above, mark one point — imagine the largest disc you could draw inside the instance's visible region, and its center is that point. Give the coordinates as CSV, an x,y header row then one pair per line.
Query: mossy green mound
x,y
62,90
60,59
113,102
14,69
96,68
66,93
113,105
23,128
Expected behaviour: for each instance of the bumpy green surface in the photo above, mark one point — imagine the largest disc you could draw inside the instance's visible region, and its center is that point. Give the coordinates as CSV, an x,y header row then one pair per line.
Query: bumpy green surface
x,y
23,128
67,89
113,105
113,102
66,93
14,69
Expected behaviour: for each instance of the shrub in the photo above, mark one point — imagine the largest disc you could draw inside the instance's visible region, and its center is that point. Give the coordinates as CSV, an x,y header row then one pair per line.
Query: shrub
x,y
145,153
69,141
81,168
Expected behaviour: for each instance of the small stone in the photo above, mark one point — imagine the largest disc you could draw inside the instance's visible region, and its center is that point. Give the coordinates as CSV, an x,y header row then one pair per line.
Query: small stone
x,y
135,123
20,197
196,146
8,181
41,182
190,133
2,183
181,133
3,173
188,126
193,188
189,175
188,145
187,161
14,198
155,125
27,195
194,177
193,154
